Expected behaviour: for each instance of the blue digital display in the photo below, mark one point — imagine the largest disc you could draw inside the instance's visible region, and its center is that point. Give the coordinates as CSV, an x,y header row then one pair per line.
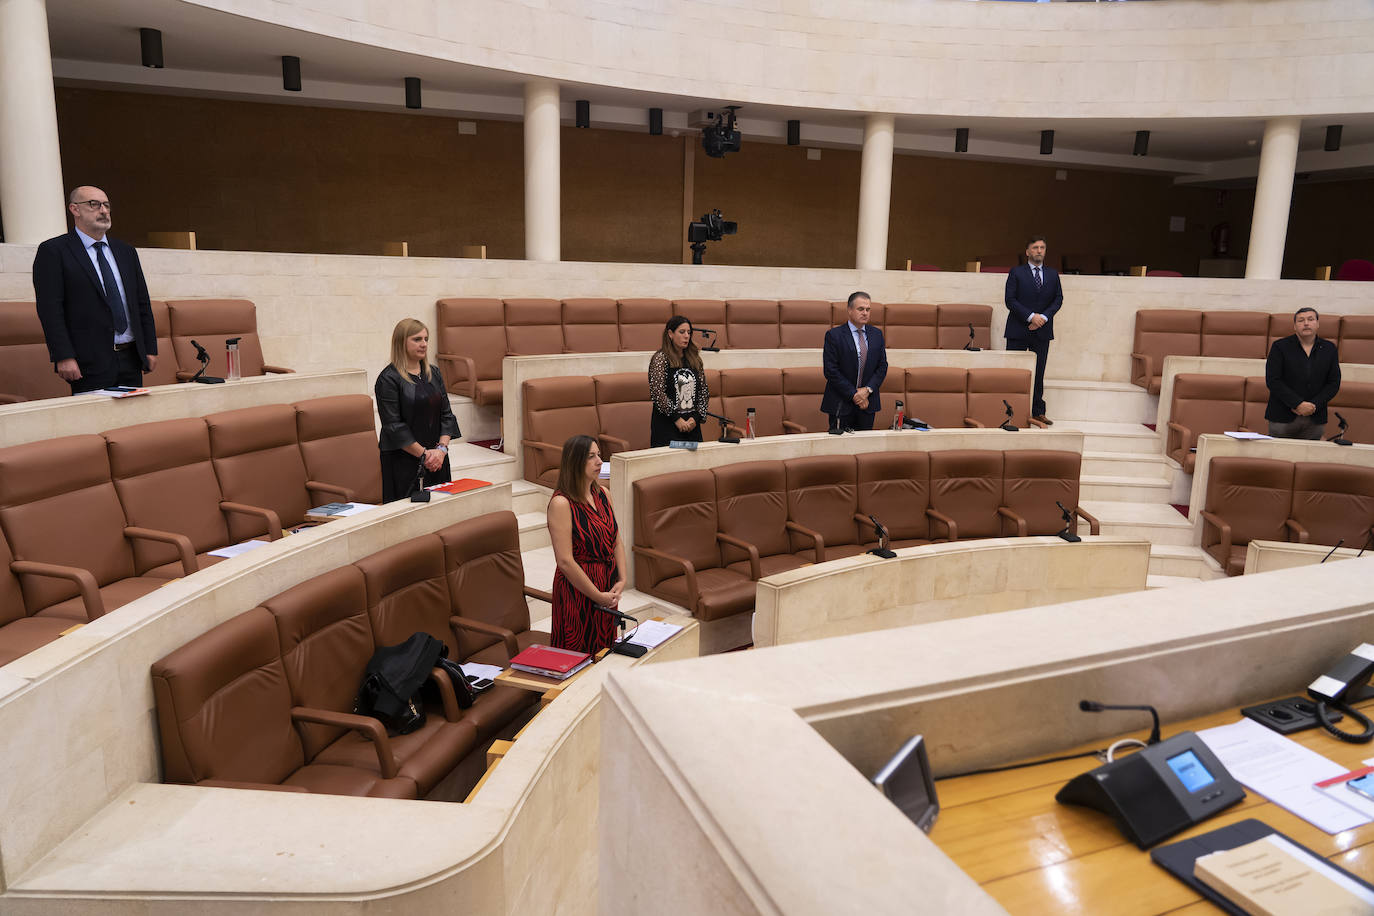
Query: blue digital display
x,y
1190,771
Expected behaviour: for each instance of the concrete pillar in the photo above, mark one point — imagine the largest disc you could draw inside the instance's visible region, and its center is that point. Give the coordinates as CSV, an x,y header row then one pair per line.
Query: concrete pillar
x,y
1273,195
542,164
31,194
875,192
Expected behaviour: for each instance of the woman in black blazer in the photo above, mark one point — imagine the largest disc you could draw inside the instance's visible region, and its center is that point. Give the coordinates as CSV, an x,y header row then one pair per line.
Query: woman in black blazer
x,y
417,421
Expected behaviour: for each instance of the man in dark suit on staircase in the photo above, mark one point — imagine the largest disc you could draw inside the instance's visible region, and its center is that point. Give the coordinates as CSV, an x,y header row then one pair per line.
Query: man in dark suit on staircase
x,y
93,301
1033,298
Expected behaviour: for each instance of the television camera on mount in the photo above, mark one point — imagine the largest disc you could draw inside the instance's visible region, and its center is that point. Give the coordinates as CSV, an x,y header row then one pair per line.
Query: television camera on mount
x,y
712,227
723,136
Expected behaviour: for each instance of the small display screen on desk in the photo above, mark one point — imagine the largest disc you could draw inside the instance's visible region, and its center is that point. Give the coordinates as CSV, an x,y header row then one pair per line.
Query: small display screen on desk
x,y
1190,771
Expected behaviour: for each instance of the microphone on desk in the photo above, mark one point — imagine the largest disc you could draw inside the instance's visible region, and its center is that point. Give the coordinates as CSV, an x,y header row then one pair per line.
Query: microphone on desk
x,y
1340,438
1334,549
1368,541
969,346
622,647
418,493
204,358
724,422
882,549
1068,533
1094,706
710,337
1008,425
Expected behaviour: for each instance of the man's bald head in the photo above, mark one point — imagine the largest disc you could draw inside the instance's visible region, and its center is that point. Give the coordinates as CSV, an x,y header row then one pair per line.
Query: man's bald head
x,y
90,210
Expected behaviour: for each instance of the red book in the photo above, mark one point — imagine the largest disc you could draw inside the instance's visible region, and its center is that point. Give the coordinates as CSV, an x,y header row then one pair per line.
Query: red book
x,y
550,662
458,486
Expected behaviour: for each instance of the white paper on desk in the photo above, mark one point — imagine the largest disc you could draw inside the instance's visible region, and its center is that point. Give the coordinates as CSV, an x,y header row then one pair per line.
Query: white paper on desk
x,y
1283,771
476,669
1242,435
652,633
354,509
234,550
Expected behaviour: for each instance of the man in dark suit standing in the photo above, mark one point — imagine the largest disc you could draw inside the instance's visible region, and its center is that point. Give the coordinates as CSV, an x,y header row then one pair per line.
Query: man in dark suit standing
x,y
854,359
1303,373
93,301
1033,297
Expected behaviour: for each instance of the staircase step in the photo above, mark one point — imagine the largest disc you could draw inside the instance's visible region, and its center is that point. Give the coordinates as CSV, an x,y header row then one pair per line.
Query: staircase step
x,y
1124,489
529,497
1153,582
1177,560
1125,464
534,531
1103,401
1132,438
1159,524
480,463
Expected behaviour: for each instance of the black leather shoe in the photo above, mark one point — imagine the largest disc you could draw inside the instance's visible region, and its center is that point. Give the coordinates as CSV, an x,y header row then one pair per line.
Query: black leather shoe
x,y
1044,419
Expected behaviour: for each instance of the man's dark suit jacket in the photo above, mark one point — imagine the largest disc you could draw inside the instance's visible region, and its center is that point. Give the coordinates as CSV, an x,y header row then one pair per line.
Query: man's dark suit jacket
x,y
1294,377
1024,300
840,360
77,321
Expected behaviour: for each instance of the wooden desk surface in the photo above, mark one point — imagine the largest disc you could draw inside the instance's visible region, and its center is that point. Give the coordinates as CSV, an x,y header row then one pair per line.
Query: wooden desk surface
x,y
1036,856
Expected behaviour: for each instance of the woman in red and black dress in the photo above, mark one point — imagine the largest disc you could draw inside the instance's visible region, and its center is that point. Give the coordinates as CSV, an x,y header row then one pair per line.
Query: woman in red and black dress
x,y
587,547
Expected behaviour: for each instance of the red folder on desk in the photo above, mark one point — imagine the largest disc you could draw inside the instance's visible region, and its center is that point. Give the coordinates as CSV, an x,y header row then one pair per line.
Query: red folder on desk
x,y
458,486
550,662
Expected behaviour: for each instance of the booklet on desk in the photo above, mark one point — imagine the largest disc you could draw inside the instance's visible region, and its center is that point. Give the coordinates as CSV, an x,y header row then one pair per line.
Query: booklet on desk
x,y
458,486
550,662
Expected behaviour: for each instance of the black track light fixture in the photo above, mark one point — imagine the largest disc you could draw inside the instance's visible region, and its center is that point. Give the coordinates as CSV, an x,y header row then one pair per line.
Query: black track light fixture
x,y
291,73
1046,142
961,139
582,116
150,42
1333,138
1142,143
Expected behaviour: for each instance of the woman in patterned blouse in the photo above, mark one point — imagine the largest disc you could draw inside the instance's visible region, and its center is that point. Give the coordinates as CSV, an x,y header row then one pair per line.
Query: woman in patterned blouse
x,y
677,385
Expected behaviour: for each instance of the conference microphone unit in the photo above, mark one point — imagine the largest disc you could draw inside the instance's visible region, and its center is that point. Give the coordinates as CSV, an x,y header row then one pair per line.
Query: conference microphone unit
x,y
882,549
1068,532
204,358
724,422
1334,549
710,337
1008,425
622,648
1094,706
969,346
418,493
1340,438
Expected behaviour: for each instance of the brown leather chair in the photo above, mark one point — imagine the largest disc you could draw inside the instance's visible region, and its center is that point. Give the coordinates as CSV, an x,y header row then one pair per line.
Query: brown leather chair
x,y
165,480
20,634
751,506
1202,404
26,369
893,389
261,474
210,322
1247,499
894,488
641,322
338,443
911,326
1332,501
1355,402
1160,333
1281,325
165,373
802,323
325,638
1033,480
802,387
966,494
752,324
760,389
1355,340
989,388
622,411
822,505
487,590
708,314
62,519
589,326
556,409
225,718
471,345
954,319
534,327
1256,401
1240,334
677,549
938,395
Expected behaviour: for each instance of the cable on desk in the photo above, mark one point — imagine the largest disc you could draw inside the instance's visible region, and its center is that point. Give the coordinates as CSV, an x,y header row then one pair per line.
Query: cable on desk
x,y
1020,766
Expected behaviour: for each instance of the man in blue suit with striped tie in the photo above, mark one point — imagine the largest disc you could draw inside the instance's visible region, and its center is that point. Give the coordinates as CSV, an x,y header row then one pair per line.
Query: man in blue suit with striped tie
x,y
854,359
1033,298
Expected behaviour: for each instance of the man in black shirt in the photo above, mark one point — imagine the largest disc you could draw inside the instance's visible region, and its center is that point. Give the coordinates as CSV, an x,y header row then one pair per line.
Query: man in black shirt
x,y
1303,373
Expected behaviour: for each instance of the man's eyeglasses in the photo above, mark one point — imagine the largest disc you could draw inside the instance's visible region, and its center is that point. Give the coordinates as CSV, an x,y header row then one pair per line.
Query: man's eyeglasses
x,y
94,205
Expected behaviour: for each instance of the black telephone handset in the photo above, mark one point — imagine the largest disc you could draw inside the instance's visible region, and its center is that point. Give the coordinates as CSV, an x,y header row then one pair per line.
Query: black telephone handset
x,y
1337,688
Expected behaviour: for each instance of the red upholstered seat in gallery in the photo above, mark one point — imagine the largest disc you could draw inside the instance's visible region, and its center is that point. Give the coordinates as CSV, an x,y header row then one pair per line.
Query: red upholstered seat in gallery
x,y
211,322
1201,404
26,370
258,463
555,410
752,324
622,411
677,549
1332,501
338,443
1033,480
821,506
802,323
894,488
954,319
1240,334
471,340
937,395
708,314
966,494
911,326
1160,333
1247,499
802,387
533,327
760,389
751,506
641,322
589,326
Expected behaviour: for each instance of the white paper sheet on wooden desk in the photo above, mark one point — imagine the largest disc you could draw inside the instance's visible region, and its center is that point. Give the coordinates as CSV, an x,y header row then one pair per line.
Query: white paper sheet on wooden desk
x,y
652,633
1283,771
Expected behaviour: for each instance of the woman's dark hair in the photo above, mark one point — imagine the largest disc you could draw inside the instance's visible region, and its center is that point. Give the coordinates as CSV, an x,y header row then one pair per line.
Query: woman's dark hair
x,y
572,467
690,357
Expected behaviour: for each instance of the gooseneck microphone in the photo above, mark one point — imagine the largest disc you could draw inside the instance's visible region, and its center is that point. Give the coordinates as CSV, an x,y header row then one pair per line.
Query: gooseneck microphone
x,y
882,549
1340,438
710,337
1068,533
1007,424
1333,550
204,358
969,346
200,352
1094,706
621,647
724,423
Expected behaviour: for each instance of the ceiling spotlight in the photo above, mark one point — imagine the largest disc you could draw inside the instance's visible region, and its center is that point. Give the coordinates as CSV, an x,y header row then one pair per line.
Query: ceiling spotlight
x,y
1046,142
656,122
961,139
412,92
1333,138
291,73
1142,143
583,116
794,133
150,40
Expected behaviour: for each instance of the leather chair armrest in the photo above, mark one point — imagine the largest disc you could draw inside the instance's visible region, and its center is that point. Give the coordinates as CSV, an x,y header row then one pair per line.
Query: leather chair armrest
x,y
90,591
734,430
1039,423
815,537
1146,364
330,488
447,696
1013,517
607,440
10,399
970,422
755,569
540,594
1299,530
793,427
1223,532
1178,437
366,726
466,384
185,375
272,518
260,786
1094,526
549,447
945,520
277,370
688,570
189,564
490,629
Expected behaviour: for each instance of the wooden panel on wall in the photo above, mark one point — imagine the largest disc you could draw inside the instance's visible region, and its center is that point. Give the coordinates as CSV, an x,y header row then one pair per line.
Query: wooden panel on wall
x,y
622,196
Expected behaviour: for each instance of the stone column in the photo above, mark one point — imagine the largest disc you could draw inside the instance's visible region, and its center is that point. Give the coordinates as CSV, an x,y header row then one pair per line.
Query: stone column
x,y
875,192
31,194
1273,194
543,213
